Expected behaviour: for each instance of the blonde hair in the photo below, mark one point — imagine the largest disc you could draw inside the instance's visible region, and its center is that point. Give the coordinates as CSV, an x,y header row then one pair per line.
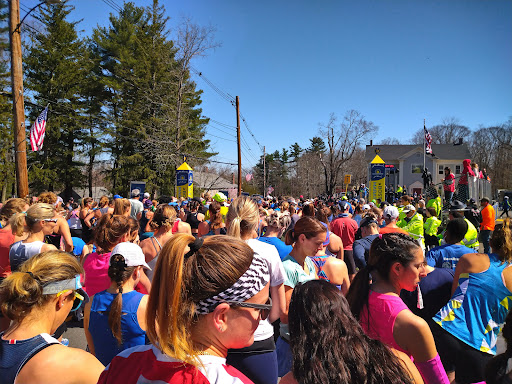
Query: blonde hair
x,y
34,214
11,207
48,198
103,201
501,240
121,206
164,217
109,231
243,216
179,283
21,292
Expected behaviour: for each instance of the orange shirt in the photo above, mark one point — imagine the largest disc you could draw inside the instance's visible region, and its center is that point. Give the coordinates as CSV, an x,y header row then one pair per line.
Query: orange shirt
x,y
487,218
388,229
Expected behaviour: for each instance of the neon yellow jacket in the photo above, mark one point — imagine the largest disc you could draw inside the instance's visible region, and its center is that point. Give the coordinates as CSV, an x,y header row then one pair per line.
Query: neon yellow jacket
x,y
400,222
436,204
471,238
415,227
431,225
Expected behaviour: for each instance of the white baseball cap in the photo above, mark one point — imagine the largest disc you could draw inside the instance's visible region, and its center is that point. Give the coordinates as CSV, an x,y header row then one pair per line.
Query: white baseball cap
x,y
132,253
390,212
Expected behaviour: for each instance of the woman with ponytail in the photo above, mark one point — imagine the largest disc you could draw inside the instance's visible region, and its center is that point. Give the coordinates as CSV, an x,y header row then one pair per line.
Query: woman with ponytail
x,y
110,231
259,361
338,351
215,225
395,262
37,299
468,326
39,220
207,297
114,319
307,237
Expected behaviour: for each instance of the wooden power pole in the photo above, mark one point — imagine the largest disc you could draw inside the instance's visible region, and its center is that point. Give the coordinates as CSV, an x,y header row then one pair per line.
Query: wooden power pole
x,y
239,147
20,144
264,172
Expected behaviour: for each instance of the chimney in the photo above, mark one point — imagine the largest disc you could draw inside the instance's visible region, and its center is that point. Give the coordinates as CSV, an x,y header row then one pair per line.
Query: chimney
x,y
460,140
371,143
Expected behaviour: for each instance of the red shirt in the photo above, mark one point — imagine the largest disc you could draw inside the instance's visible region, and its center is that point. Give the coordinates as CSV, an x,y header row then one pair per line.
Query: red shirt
x,y
6,240
449,183
346,228
387,229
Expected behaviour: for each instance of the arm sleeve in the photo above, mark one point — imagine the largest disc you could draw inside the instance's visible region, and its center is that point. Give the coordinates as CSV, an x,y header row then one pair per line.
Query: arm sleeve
x,y
433,371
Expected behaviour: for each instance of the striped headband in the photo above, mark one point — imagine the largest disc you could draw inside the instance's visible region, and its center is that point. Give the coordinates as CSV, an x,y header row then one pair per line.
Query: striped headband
x,y
250,283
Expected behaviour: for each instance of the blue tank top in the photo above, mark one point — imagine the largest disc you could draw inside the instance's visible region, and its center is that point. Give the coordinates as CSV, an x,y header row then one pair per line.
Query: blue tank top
x,y
319,262
476,312
14,354
105,344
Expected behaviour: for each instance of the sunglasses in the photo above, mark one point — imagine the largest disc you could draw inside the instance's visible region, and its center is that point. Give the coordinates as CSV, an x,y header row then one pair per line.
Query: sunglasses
x,y
263,308
50,220
77,302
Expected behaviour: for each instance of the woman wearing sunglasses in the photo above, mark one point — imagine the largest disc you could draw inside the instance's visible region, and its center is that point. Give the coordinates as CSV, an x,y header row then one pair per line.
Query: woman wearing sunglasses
x,y
39,220
259,361
205,298
114,319
37,299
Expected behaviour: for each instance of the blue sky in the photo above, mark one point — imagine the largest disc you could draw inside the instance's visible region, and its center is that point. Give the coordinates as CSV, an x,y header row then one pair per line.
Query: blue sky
x,y
292,63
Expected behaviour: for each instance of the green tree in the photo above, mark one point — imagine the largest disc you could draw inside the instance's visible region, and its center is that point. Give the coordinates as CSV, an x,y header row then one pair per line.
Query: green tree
x,y
55,75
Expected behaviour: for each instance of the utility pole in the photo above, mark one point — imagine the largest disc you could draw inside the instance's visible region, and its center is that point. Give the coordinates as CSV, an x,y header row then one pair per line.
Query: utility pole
x,y
20,144
239,147
264,173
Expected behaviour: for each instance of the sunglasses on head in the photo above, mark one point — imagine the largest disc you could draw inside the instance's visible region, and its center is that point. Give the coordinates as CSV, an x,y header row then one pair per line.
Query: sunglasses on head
x,y
50,220
77,302
263,308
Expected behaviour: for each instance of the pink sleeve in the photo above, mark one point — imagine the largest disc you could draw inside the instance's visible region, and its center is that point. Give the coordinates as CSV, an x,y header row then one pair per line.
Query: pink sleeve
x,y
433,371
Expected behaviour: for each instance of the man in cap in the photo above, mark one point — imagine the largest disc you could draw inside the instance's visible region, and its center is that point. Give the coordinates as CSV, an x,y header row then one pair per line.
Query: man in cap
x,y
413,223
506,206
390,216
136,205
488,221
470,239
447,255
369,231
346,227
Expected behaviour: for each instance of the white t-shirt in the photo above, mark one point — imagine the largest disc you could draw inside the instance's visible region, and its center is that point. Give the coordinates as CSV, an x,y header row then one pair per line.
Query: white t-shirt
x,y
277,277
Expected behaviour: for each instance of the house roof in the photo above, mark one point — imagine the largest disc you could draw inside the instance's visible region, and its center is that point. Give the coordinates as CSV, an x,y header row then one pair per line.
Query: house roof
x,y
390,153
207,180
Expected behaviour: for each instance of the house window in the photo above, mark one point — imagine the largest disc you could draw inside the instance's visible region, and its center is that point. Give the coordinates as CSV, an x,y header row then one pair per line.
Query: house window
x,y
441,170
416,168
457,169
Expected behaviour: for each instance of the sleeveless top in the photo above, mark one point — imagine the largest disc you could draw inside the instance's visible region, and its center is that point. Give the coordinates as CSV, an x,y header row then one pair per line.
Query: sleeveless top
x,y
152,263
105,344
15,354
21,252
319,262
383,312
477,310
6,240
192,220
74,221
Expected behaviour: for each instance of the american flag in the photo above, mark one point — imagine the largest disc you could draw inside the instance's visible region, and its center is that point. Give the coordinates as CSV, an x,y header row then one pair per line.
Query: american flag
x,y
428,141
37,131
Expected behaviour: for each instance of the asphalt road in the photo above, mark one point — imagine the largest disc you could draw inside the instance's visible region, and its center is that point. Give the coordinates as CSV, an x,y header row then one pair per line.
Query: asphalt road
x,y
76,336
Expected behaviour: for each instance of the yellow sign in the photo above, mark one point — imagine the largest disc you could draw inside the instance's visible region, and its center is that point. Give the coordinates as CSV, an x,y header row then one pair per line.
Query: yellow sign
x,y
377,179
348,179
184,181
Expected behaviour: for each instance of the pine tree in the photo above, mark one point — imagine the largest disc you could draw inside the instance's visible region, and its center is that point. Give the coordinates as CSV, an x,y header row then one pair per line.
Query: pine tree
x,y
6,135
55,75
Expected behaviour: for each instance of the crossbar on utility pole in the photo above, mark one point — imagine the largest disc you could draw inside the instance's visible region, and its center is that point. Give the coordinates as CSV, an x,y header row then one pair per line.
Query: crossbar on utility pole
x,y
239,147
20,144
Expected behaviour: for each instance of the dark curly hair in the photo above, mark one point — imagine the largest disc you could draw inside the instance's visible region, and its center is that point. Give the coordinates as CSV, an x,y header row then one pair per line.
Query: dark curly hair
x,y
328,344
384,251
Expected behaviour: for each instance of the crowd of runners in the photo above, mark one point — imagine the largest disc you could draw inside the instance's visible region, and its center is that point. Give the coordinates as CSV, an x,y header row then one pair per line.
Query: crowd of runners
x,y
255,290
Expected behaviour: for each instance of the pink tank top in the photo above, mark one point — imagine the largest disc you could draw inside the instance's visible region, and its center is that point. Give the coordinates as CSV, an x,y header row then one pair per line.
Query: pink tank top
x,y
383,312
96,273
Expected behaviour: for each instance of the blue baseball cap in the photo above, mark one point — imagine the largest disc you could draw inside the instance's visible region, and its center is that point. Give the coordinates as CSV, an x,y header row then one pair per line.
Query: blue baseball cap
x,y
117,197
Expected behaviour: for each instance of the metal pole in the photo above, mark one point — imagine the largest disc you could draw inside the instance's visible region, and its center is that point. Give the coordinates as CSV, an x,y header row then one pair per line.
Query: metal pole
x,y
239,147
20,145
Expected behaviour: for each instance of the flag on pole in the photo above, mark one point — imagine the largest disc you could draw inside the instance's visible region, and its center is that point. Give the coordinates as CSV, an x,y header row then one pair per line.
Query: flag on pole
x,y
428,141
248,177
37,131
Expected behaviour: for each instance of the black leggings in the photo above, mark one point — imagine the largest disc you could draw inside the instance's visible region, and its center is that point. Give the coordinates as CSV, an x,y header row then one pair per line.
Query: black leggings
x,y
467,362
348,256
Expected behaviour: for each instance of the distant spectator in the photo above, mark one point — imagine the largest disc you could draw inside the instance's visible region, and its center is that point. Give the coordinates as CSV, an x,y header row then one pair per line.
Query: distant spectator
x,y
488,221
136,205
